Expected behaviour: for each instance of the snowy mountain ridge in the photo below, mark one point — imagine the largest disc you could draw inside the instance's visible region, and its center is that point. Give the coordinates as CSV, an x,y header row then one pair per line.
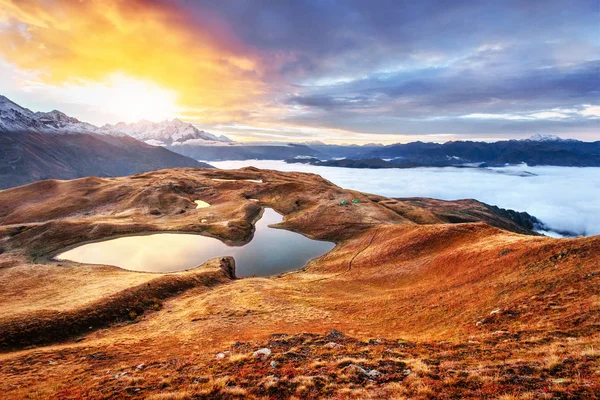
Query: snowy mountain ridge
x,y
538,137
15,118
163,133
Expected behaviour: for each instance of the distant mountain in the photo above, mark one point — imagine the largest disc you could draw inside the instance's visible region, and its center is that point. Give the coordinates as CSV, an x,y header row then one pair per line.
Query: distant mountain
x,y
538,150
344,151
174,135
14,118
370,163
548,138
164,133
35,146
244,152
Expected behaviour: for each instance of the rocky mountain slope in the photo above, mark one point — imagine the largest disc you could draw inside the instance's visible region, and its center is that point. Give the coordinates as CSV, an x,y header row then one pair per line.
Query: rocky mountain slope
x,y
419,298
175,135
14,118
27,157
36,146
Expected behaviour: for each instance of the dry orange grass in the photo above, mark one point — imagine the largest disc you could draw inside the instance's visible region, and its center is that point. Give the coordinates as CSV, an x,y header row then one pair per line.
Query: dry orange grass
x,y
466,307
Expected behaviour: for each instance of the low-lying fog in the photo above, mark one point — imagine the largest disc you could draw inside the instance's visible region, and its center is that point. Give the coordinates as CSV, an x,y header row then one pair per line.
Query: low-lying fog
x,y
564,198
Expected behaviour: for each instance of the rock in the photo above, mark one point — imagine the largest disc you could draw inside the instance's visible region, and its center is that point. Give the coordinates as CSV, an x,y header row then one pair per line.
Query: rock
x,y
333,345
273,364
141,366
406,372
494,312
264,352
202,379
220,356
335,334
500,333
371,373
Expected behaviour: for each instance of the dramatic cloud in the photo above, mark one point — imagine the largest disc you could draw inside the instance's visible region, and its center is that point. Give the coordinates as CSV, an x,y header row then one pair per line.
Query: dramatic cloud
x,y
563,198
349,70
82,44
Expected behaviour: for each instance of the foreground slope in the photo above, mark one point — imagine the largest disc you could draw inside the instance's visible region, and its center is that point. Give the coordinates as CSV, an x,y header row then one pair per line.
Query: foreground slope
x,y
408,304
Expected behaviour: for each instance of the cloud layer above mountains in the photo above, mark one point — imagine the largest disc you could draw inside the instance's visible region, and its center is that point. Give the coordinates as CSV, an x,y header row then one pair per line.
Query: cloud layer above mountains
x,y
351,70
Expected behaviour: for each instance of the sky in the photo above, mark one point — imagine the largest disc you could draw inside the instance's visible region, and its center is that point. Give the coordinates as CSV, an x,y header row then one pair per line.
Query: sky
x,y
337,71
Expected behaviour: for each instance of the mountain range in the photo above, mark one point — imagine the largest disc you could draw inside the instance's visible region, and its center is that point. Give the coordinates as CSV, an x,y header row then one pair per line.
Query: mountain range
x,y
164,133
174,135
537,150
533,151
14,118
44,145
51,145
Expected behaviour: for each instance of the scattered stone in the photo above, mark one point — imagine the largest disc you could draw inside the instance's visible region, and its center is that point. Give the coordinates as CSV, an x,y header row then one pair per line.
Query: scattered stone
x,y
273,364
500,333
264,352
201,379
220,356
371,373
333,345
141,366
406,372
494,312
335,334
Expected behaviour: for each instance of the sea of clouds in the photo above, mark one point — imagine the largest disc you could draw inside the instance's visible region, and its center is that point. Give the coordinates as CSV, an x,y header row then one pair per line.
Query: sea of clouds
x,y
563,198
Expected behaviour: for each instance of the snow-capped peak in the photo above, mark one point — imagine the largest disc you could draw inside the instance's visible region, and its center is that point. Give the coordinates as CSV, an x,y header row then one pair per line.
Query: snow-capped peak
x,y
16,118
8,106
538,137
163,133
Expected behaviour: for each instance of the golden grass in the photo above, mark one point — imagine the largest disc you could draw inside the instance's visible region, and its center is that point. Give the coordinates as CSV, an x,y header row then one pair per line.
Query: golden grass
x,y
396,273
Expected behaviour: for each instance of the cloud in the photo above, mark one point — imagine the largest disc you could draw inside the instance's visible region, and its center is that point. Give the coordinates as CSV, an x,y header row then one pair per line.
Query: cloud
x,y
543,195
71,42
340,68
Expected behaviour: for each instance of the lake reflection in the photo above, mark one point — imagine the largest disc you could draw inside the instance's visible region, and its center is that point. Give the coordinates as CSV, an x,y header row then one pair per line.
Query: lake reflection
x,y
270,252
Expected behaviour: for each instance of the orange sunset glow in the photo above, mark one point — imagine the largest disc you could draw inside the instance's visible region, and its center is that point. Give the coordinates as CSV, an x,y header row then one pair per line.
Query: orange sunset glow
x,y
289,71
82,45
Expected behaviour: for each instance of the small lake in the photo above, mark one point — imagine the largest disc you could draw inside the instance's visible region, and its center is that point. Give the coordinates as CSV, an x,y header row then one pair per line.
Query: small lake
x,y
270,252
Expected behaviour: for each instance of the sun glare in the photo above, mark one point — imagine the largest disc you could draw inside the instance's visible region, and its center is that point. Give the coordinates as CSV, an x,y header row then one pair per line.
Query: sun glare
x,y
134,100
119,98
